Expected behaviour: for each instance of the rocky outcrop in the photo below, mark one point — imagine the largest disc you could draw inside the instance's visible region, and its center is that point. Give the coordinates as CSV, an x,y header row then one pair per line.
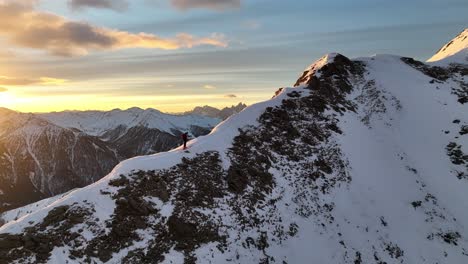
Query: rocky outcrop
x,y
141,140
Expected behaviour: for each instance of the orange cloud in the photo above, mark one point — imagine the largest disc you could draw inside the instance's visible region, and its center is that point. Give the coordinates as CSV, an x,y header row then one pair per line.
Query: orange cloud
x,y
25,27
3,89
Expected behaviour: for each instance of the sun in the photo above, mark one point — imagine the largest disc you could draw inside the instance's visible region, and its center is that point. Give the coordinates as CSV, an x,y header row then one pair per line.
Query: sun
x,y
7,100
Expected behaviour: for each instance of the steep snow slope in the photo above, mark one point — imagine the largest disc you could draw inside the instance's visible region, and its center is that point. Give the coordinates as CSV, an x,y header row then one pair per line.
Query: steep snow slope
x,y
456,51
364,161
14,215
99,122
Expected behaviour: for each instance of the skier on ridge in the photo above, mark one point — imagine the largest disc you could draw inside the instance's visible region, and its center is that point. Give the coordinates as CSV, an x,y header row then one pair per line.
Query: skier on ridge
x,y
185,139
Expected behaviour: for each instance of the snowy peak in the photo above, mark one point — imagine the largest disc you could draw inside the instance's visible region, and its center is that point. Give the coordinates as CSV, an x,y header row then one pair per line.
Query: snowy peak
x,y
27,124
329,65
316,66
320,66
456,51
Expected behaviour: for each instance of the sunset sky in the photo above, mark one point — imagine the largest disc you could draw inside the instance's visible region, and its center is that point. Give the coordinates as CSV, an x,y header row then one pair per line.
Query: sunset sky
x,y
176,54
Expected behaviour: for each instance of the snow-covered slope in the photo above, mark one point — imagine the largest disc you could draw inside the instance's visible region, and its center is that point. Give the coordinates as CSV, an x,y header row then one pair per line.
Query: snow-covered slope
x,y
364,161
97,123
456,51
15,214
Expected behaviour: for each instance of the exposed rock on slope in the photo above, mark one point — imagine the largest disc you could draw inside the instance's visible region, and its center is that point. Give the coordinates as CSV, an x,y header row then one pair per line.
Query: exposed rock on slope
x,y
362,162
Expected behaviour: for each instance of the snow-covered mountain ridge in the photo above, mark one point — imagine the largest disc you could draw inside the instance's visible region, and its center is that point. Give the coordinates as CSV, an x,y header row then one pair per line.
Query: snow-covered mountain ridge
x,y
97,123
43,155
364,161
135,131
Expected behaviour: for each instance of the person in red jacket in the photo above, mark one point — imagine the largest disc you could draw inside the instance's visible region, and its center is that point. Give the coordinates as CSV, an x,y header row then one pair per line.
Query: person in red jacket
x,y
185,139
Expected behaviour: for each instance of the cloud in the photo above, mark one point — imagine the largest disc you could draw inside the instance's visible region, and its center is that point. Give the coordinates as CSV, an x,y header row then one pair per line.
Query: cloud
x,y
3,89
230,96
121,5
13,81
217,5
211,87
6,54
25,27
252,24
117,5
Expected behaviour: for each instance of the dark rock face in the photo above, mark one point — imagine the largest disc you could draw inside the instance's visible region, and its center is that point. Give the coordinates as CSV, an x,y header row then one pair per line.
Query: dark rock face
x,y
47,161
198,131
141,140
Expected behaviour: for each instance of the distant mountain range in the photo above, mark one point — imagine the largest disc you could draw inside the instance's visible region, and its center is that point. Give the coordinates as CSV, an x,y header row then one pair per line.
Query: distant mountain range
x,y
135,131
43,155
215,112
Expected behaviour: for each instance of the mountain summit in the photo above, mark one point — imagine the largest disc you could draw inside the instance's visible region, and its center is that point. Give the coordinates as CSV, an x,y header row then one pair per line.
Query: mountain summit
x,y
454,51
364,161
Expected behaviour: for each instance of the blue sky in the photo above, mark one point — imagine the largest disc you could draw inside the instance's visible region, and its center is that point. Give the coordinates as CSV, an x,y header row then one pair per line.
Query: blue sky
x,y
268,44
